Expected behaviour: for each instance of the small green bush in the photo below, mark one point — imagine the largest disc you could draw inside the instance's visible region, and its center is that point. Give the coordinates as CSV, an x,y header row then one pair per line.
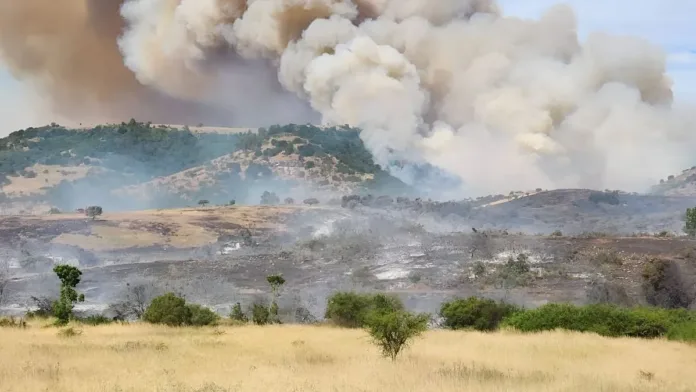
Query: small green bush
x,y
168,309
685,332
478,313
201,316
96,320
260,314
237,314
392,331
350,310
605,320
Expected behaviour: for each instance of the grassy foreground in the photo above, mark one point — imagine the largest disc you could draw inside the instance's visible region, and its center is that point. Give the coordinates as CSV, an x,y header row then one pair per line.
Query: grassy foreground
x,y
142,357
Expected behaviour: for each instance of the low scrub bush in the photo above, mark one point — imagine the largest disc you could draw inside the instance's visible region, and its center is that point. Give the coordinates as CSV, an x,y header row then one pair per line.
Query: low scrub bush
x,y
96,320
477,313
172,310
685,332
348,309
12,322
260,314
237,314
606,320
392,330
201,316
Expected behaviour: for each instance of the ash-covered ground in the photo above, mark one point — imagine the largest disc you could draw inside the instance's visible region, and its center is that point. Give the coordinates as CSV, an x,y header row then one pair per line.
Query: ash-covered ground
x,y
425,258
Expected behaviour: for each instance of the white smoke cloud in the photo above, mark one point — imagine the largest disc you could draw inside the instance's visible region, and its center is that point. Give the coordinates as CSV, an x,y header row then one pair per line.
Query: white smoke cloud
x,y
503,103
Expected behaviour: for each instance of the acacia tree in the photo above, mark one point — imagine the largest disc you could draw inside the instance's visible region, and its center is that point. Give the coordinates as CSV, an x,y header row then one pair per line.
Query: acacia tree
x,y
69,279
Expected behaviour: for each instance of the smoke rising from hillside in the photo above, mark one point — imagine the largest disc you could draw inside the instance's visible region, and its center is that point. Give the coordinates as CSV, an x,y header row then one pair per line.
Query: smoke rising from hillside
x,y
502,103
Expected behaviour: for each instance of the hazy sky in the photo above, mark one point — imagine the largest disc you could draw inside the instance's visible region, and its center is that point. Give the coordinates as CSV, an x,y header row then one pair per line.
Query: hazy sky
x,y
669,23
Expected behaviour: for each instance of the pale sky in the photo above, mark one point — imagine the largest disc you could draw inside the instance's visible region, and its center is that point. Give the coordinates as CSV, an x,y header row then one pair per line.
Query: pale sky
x,y
668,23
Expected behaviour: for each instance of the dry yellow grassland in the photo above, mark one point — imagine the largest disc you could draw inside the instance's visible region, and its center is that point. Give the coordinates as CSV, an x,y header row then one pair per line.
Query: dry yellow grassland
x,y
142,357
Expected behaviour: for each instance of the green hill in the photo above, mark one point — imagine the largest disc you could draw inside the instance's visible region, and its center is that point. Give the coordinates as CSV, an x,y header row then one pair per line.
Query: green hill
x,y
71,167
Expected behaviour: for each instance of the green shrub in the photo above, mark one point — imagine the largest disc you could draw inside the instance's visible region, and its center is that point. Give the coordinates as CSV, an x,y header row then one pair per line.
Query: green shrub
x,y
260,314
168,309
350,310
605,320
478,313
690,222
392,331
96,320
237,314
515,272
685,332
201,316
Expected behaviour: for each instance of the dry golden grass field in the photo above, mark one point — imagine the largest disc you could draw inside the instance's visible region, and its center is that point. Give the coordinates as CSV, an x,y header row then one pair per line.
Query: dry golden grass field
x,y
301,358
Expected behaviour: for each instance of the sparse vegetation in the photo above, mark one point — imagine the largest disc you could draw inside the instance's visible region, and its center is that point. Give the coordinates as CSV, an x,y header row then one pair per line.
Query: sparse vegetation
x,y
237,314
514,273
480,314
611,198
607,292
93,212
392,331
5,278
172,310
351,310
690,222
69,277
137,298
606,320
269,198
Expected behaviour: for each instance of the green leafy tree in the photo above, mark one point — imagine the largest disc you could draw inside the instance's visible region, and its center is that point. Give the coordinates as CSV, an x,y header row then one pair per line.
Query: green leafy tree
x,y
168,309
690,222
276,282
93,212
392,331
69,277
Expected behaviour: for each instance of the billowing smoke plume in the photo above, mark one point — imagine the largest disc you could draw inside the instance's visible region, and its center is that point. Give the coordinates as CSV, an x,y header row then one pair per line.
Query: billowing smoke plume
x,y
69,51
502,103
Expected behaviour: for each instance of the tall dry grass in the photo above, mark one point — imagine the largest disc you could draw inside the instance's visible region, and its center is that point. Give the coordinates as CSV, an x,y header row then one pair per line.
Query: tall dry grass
x,y
296,358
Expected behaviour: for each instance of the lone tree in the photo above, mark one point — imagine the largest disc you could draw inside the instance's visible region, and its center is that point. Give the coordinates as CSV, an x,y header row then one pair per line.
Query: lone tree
x,y
93,212
392,331
690,222
269,198
276,282
69,279
203,203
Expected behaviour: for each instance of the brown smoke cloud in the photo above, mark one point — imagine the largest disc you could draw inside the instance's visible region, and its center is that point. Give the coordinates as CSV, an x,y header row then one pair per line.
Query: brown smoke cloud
x,y
502,103
68,51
